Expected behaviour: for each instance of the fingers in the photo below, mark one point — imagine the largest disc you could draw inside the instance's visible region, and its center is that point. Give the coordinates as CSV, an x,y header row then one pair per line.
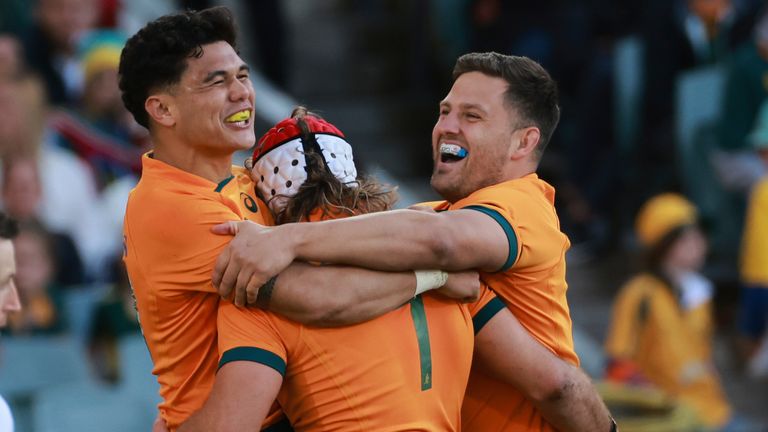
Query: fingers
x,y
229,279
226,228
218,271
252,290
240,288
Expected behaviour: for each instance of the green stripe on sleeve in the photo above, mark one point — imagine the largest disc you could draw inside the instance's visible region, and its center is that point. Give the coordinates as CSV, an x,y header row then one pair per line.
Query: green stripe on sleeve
x,y
422,336
257,355
223,183
508,230
485,314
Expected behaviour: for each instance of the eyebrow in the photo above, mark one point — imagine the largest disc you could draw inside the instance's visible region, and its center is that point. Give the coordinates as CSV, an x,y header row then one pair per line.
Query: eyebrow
x,y
466,106
222,73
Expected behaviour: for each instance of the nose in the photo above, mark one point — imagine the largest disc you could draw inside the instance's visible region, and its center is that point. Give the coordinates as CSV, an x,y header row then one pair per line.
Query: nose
x,y
447,124
240,90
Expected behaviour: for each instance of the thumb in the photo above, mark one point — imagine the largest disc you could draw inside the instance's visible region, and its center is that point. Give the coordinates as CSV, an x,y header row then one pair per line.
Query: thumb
x,y
226,228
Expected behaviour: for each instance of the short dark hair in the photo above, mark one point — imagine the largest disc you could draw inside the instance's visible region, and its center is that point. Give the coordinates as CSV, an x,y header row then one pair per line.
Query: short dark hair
x,y
8,227
532,91
156,56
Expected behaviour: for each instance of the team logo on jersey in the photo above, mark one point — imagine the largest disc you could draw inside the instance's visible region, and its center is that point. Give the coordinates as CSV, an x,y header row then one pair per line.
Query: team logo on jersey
x,y
249,202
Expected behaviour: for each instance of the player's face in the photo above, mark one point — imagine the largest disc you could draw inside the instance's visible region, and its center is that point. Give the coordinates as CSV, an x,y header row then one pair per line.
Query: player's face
x,y
473,136
9,297
213,102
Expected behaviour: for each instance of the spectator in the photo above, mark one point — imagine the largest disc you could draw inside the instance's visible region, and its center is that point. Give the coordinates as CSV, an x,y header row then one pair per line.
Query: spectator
x,y
10,57
51,43
114,317
754,258
745,90
21,194
34,277
680,36
101,131
70,207
661,330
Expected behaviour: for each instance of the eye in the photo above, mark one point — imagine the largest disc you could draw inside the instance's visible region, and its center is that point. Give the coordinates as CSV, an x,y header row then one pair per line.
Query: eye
x,y
217,82
472,116
444,111
243,77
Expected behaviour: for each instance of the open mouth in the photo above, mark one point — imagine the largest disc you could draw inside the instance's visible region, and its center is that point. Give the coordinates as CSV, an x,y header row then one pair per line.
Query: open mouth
x,y
452,153
240,118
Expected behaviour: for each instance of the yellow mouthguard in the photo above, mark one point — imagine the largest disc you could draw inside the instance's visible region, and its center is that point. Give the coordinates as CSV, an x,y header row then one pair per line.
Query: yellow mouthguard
x,y
239,116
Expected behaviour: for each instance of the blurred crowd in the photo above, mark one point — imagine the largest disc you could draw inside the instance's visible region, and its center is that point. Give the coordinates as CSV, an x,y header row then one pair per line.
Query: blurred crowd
x,y
71,153
657,96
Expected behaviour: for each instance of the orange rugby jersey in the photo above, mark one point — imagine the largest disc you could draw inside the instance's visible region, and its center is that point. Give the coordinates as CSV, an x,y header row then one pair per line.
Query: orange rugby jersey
x,y
532,284
170,253
403,371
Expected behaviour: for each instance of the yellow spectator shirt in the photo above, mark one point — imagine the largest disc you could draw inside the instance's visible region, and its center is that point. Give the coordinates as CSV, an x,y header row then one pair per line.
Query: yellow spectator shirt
x,y
754,252
671,346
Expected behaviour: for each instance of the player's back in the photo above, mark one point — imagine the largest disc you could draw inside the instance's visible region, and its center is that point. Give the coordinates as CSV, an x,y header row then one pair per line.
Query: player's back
x,y
404,371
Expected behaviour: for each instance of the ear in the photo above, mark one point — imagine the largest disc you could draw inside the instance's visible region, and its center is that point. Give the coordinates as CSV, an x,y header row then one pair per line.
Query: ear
x,y
159,109
527,141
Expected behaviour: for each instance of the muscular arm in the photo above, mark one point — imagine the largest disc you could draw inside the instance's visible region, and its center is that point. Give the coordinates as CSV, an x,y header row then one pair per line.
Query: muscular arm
x,y
330,296
334,296
560,391
239,401
455,240
391,241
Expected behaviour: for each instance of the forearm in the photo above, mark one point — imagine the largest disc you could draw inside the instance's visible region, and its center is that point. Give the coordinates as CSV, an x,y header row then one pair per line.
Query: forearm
x,y
561,392
395,240
331,296
576,406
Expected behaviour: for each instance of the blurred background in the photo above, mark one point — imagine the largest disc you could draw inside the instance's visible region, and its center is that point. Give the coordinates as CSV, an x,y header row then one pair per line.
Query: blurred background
x,y
657,96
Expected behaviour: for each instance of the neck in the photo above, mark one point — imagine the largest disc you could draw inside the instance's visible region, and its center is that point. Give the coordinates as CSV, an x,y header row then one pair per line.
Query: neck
x,y
519,170
208,165
674,272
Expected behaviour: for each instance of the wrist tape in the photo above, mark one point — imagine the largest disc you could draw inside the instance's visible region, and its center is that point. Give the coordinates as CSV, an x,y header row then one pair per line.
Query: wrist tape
x,y
429,279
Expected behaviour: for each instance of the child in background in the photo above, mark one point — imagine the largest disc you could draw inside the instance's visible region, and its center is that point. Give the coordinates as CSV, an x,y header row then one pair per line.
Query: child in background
x,y
661,330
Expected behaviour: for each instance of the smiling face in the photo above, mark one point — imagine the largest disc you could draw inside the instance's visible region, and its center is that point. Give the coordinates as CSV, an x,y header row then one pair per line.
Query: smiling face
x,y
211,108
475,123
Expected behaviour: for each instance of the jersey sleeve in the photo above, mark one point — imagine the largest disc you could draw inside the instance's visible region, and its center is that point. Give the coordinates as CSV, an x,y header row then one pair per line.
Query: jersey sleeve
x,y
250,334
487,203
174,246
485,308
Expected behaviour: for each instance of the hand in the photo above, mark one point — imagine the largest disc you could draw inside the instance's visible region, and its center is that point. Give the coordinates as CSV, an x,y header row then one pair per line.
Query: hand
x,y
256,254
463,286
159,425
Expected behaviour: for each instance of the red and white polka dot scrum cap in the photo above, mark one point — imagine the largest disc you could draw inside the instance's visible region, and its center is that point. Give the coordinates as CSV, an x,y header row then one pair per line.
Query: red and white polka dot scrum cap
x,y
280,164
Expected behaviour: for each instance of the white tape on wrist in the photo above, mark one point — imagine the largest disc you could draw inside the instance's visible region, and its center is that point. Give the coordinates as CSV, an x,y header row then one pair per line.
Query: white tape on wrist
x,y
429,279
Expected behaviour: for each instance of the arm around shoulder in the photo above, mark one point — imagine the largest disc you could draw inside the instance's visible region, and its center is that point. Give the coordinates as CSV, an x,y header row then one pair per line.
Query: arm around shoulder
x,y
562,393
406,239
